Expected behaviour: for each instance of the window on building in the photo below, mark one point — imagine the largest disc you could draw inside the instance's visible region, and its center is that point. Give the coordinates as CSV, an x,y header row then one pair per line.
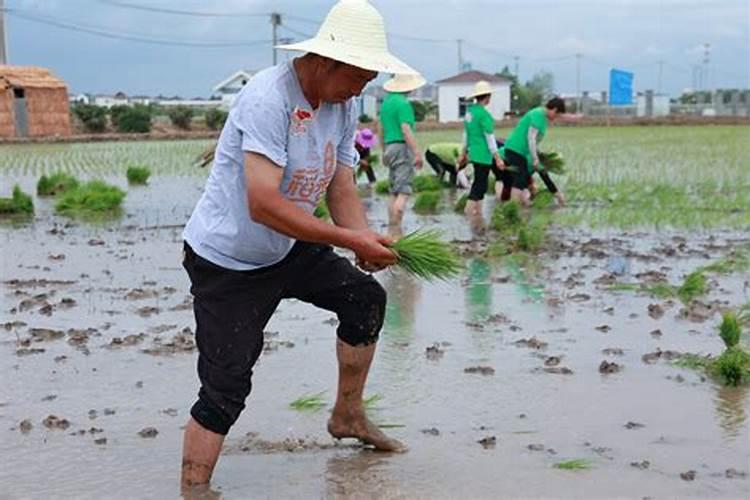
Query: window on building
x,y
19,93
463,105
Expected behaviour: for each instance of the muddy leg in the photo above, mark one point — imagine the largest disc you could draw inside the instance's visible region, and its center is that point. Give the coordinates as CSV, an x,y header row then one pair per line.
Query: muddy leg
x,y
349,419
200,452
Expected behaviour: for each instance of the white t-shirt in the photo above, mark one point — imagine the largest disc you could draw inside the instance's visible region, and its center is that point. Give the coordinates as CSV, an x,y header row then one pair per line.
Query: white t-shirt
x,y
271,117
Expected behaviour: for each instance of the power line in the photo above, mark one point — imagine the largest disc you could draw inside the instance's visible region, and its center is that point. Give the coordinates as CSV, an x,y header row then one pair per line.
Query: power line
x,y
180,12
127,36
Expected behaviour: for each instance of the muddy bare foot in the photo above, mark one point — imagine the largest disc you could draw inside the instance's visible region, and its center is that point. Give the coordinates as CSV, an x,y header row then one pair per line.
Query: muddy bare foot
x,y
360,427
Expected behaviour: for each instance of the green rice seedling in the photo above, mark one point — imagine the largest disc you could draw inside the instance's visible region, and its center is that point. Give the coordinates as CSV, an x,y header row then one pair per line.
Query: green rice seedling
x,y
18,203
138,174
460,205
730,264
693,361
624,287
383,187
374,159
55,184
321,210
732,367
743,315
427,202
694,286
370,402
498,249
422,183
506,216
391,426
90,199
309,402
730,330
553,162
575,464
423,254
661,290
531,236
543,200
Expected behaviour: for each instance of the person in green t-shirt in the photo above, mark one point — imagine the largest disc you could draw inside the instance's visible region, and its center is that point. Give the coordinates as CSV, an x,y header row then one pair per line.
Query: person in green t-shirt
x,y
443,157
401,154
480,146
521,151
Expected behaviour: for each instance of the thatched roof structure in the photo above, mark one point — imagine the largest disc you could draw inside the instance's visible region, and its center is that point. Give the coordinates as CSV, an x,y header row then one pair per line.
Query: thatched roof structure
x,y
29,77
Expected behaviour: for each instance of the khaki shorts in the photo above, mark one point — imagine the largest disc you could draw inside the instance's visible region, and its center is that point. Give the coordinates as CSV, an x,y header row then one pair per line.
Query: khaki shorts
x,y
400,162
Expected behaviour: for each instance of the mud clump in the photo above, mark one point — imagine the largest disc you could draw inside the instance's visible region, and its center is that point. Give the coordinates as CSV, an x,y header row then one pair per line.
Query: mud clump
x,y
733,473
182,342
53,422
558,370
275,345
608,368
128,340
100,441
28,351
698,311
251,443
613,351
642,465
488,442
45,334
148,432
604,328
480,370
656,333
432,431
552,361
25,426
655,311
434,352
652,357
531,343
688,476
634,425
147,311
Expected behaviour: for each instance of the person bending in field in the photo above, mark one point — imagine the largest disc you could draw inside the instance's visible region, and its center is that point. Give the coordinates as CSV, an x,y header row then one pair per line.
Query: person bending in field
x,y
521,152
363,143
444,158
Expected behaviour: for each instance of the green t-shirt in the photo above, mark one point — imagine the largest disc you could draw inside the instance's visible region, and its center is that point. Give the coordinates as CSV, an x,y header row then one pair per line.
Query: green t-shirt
x,y
446,151
396,110
478,123
518,140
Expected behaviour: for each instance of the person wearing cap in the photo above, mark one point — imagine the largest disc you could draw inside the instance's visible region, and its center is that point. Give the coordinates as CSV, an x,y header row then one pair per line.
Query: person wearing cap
x,y
364,141
252,239
480,146
401,153
521,151
443,158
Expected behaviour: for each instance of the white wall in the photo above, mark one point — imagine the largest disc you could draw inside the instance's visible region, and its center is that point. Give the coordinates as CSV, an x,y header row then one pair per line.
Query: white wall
x,y
449,95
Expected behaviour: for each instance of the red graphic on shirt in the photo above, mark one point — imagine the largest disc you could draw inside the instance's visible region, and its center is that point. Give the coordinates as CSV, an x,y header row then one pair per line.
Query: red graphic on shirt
x,y
309,184
299,119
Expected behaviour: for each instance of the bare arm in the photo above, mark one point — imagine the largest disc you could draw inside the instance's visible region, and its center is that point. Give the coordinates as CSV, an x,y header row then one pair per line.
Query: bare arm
x,y
344,202
532,135
267,206
411,141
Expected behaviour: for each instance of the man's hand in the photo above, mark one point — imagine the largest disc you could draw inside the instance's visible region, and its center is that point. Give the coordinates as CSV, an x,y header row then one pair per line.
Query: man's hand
x,y
462,159
536,164
371,250
499,163
418,161
560,198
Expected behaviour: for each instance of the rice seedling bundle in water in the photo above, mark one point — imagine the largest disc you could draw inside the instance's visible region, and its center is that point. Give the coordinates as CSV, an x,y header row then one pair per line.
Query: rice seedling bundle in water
x,y
730,330
18,203
138,174
55,184
422,183
383,187
92,198
693,287
506,216
423,254
427,202
552,162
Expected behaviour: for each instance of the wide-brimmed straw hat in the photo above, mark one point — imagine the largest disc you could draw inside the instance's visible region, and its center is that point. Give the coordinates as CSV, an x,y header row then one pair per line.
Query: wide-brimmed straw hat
x,y
482,87
354,33
404,83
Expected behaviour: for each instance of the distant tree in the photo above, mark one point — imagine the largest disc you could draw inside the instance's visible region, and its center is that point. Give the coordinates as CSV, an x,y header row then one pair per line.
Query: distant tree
x,y
115,112
136,119
423,109
93,118
181,116
215,118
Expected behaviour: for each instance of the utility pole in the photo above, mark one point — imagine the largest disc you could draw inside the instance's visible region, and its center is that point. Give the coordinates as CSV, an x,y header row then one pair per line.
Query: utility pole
x,y
578,82
275,22
515,69
659,79
707,72
460,42
3,38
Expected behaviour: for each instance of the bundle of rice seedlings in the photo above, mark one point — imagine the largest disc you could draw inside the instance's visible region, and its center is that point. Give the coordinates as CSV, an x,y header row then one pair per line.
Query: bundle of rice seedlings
x,y
55,184
506,216
383,187
138,174
694,286
531,236
552,162
543,200
730,330
422,183
732,367
427,202
91,198
461,204
423,254
19,203
309,402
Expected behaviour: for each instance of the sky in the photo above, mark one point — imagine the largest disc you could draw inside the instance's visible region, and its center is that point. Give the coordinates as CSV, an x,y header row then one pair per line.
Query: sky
x,y
168,53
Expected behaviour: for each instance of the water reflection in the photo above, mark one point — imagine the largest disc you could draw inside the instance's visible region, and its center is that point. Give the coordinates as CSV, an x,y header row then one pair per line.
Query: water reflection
x,y
200,492
517,269
730,409
360,475
479,291
400,311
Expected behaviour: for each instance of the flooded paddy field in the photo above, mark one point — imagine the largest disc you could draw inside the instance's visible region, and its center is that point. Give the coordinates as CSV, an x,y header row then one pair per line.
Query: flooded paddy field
x,y
546,373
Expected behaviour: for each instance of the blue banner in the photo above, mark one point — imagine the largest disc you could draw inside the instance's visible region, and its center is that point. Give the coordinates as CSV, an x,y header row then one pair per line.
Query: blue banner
x,y
620,87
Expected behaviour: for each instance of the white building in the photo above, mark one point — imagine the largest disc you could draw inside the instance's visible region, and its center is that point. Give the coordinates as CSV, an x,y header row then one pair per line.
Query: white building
x,y
79,99
229,88
119,99
452,92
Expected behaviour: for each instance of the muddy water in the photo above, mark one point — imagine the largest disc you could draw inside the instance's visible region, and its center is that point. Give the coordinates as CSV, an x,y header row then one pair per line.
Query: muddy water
x,y
125,282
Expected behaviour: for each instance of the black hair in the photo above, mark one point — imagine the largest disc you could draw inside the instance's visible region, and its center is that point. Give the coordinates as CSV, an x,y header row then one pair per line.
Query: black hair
x,y
481,97
557,104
